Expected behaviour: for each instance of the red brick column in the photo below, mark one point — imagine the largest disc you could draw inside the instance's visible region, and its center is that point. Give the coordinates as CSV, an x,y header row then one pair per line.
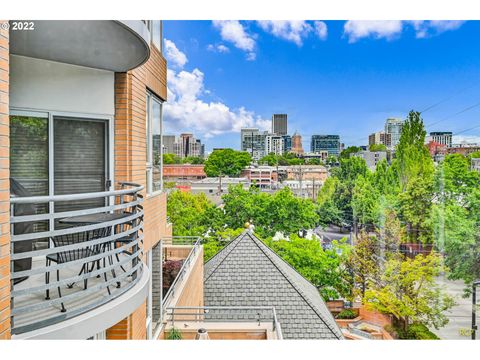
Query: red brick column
x,y
4,189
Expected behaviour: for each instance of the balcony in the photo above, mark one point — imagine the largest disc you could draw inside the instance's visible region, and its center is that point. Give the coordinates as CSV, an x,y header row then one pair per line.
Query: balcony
x,y
76,272
110,45
225,322
183,299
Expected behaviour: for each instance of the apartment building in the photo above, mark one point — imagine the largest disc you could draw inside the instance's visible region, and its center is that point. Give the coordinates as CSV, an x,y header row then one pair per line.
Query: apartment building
x,y
380,138
442,137
329,143
252,140
83,207
393,129
274,144
372,158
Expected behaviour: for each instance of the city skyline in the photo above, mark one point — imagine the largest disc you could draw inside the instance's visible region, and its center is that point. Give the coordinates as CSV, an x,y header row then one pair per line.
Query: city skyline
x,y
326,92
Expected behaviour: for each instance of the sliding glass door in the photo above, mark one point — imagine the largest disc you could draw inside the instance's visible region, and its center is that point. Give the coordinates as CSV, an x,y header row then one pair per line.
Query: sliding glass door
x,y
80,153
56,155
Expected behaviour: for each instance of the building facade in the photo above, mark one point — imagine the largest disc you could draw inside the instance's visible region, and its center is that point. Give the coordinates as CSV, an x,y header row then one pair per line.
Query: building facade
x,y
253,142
380,138
287,143
81,134
372,158
329,143
274,144
393,129
442,137
169,144
280,124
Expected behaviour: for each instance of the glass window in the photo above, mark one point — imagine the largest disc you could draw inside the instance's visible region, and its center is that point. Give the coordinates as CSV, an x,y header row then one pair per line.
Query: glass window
x,y
29,154
154,144
156,32
155,27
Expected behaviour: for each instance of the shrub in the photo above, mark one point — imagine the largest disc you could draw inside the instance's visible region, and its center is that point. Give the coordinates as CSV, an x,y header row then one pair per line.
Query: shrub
x,y
347,314
174,334
420,332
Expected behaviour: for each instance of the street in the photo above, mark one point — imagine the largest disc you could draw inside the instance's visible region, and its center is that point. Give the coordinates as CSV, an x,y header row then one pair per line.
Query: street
x,y
460,316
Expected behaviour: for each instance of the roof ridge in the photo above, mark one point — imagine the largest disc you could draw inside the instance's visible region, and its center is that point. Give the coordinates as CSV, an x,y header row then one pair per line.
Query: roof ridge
x,y
259,244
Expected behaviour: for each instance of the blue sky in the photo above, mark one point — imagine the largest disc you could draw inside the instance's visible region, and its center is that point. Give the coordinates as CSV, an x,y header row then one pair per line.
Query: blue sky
x,y
332,77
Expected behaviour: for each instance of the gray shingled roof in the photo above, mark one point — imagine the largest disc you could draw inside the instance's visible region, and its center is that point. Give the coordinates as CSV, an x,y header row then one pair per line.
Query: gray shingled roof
x,y
248,273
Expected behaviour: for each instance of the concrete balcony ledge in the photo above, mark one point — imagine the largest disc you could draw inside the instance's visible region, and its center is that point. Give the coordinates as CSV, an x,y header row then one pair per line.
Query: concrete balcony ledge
x,y
105,44
97,319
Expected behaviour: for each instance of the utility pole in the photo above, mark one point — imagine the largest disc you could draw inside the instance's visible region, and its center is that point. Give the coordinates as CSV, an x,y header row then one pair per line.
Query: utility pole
x,y
313,189
474,308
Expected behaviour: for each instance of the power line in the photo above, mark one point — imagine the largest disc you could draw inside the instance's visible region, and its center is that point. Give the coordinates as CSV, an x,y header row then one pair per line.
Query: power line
x,y
448,98
455,114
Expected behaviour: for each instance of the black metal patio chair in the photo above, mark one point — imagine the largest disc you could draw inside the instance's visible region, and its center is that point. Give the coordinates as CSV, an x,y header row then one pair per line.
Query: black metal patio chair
x,y
81,252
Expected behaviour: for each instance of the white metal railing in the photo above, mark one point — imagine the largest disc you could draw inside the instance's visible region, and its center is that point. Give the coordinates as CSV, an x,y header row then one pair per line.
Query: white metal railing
x,y
103,256
195,242
229,314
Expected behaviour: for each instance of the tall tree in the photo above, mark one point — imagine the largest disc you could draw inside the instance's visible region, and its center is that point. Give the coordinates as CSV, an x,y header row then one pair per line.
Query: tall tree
x,y
413,157
409,292
323,268
364,263
226,162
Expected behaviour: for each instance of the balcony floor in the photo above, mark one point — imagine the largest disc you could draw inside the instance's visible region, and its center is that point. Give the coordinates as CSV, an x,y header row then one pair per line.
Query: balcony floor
x,y
71,305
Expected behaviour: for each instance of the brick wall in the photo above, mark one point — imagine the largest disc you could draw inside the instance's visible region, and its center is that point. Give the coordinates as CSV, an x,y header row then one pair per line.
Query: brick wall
x,y
130,163
4,189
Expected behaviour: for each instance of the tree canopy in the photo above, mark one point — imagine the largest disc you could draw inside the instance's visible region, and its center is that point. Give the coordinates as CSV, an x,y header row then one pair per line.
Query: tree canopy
x,y
226,162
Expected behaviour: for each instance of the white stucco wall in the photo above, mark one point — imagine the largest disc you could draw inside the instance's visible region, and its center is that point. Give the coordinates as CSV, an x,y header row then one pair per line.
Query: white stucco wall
x,y
48,85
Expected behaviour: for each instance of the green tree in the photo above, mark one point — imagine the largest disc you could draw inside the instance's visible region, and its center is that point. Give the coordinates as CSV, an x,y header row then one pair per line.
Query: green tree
x,y
377,147
327,210
415,172
413,157
345,154
226,162
171,159
366,202
281,211
409,292
323,268
192,215
194,160
363,262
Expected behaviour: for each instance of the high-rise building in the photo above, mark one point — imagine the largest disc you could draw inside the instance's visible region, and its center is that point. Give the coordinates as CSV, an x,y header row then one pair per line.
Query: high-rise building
x,y
279,124
184,146
380,138
253,142
330,143
442,137
287,143
393,127
168,144
274,144
297,147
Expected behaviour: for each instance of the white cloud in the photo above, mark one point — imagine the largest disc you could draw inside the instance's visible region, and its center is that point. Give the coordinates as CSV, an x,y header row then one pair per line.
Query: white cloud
x,y
321,30
357,29
174,56
185,108
389,29
434,27
233,31
466,139
291,30
218,48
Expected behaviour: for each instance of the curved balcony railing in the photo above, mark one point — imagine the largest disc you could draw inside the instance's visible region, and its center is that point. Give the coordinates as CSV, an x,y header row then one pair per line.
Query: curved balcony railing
x,y
67,262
